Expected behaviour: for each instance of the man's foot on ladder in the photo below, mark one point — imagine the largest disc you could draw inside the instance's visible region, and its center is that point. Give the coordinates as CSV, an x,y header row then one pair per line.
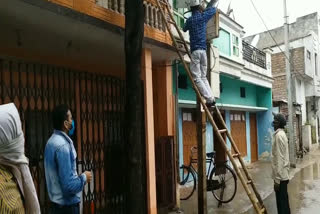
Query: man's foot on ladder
x,y
211,104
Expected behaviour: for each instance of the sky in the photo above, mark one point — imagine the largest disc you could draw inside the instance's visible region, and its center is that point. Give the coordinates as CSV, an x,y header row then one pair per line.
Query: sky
x,y
271,11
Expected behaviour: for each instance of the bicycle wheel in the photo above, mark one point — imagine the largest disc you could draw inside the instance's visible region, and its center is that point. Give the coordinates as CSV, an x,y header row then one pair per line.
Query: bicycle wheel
x,y
187,182
224,183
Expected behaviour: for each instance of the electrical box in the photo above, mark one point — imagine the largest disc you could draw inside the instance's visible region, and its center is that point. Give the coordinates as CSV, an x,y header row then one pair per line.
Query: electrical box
x,y
213,27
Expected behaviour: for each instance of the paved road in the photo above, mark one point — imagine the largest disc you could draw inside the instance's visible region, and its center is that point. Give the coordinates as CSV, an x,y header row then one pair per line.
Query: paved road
x,y
304,190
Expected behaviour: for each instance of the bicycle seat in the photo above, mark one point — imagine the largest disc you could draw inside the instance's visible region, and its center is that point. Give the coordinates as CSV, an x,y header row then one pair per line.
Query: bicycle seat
x,y
211,154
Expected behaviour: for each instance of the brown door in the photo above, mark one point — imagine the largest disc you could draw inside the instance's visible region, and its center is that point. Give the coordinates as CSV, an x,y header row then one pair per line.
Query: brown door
x,y
298,139
165,172
238,131
253,137
189,129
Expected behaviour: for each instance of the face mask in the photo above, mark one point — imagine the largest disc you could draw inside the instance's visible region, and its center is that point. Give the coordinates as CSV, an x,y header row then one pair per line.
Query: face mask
x,y
72,129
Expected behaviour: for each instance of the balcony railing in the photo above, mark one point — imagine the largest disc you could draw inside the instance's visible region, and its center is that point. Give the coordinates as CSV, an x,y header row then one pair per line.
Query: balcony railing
x,y
115,5
254,55
153,16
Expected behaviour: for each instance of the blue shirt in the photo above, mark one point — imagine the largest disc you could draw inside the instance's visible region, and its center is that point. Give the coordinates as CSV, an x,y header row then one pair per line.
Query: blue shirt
x,y
63,182
197,26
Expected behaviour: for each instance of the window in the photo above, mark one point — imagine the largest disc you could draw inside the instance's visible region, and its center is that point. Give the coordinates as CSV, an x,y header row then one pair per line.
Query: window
x,y
188,115
235,45
223,42
182,81
242,92
237,116
308,55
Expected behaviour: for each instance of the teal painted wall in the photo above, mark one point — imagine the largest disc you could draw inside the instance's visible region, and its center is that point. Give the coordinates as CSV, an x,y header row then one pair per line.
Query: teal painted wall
x,y
231,92
223,42
256,96
265,130
184,94
264,97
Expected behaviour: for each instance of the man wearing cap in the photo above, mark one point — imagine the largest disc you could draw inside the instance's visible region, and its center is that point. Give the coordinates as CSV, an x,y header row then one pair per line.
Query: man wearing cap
x,y
197,27
280,164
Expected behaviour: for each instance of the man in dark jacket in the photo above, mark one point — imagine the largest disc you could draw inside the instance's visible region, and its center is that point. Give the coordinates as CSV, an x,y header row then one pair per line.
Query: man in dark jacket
x,y
197,27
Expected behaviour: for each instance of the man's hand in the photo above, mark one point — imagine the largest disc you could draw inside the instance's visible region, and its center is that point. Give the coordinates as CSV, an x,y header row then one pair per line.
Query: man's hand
x,y
88,175
212,3
276,187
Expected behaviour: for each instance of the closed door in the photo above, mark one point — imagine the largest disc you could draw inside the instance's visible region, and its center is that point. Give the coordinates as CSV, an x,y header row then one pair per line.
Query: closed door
x,y
253,137
189,129
238,131
299,137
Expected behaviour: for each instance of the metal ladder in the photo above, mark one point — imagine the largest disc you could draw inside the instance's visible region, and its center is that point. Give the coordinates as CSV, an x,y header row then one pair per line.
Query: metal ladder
x,y
246,180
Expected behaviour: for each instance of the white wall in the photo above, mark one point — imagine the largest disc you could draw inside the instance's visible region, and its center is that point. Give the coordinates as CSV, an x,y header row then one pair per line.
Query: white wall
x,y
301,98
309,43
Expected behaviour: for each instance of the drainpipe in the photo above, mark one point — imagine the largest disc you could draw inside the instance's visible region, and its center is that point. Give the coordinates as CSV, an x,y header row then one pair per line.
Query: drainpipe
x,y
177,135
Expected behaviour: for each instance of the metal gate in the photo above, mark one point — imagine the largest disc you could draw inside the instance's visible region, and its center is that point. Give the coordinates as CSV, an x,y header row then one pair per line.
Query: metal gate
x,y
97,103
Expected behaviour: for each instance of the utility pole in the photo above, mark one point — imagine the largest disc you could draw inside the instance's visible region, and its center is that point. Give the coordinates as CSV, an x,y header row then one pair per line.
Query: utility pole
x,y
202,178
292,154
136,194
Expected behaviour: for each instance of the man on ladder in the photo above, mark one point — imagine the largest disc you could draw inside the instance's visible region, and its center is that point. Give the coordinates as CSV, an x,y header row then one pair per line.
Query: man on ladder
x,y
197,26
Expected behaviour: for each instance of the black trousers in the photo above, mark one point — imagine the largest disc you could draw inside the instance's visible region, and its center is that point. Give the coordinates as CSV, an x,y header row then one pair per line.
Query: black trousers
x,y
282,198
60,209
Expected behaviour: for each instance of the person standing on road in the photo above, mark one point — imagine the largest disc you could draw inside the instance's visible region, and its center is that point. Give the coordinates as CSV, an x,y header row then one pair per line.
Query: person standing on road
x,y
63,182
280,164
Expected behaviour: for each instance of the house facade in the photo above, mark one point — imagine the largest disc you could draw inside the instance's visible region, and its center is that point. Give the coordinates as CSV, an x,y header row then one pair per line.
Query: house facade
x,y
241,82
304,51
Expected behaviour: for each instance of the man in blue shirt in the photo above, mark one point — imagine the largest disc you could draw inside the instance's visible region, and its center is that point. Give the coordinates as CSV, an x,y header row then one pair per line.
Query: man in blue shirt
x,y
63,182
197,27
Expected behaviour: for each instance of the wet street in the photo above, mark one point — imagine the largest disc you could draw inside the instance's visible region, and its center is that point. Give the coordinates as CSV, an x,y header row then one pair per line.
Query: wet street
x,y
304,190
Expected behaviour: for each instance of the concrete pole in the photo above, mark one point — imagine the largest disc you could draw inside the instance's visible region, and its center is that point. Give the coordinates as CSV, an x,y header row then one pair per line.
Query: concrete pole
x,y
201,137
292,154
202,178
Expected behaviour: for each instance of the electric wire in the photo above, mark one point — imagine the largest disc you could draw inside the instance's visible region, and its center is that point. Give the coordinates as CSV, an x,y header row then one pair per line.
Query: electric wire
x,y
276,43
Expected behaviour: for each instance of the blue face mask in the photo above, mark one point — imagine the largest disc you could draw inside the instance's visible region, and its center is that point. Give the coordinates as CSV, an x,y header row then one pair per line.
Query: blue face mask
x,y
73,127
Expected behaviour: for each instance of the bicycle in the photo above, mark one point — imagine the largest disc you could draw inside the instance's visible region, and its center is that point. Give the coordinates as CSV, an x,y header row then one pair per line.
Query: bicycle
x,y
221,180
